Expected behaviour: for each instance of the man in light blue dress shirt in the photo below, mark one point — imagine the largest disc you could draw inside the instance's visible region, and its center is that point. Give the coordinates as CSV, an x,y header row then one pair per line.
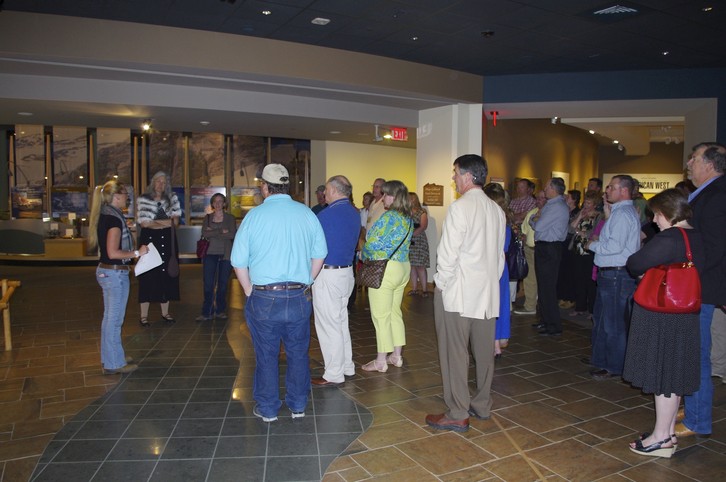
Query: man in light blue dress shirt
x,y
619,238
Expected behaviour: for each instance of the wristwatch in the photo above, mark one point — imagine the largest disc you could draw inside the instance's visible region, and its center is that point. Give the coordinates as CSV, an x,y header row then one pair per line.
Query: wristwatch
x,y
136,253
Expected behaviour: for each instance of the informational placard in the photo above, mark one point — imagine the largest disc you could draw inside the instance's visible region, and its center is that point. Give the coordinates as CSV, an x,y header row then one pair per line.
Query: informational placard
x,y
433,195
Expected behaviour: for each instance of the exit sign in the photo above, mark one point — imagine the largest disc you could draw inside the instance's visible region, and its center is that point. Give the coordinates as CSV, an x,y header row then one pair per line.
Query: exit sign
x,y
399,134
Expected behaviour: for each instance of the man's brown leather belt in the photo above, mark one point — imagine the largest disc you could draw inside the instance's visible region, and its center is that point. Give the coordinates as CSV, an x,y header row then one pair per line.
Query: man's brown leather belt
x,y
122,267
280,286
330,266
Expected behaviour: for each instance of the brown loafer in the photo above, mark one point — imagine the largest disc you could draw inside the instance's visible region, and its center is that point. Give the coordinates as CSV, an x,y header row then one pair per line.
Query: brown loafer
x,y
321,382
683,431
442,422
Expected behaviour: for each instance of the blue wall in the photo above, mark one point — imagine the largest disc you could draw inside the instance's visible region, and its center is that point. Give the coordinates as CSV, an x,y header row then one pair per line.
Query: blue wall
x,y
640,84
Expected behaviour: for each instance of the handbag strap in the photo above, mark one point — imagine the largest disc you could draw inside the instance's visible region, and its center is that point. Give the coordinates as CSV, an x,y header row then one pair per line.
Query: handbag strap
x,y
688,245
404,239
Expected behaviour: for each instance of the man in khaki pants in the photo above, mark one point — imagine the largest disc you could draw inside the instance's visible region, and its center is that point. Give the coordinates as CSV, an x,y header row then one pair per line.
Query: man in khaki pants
x,y
530,282
470,261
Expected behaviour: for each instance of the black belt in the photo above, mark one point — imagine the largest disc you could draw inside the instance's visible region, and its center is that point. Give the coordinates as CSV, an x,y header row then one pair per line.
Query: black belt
x,y
123,267
612,268
547,242
280,286
330,266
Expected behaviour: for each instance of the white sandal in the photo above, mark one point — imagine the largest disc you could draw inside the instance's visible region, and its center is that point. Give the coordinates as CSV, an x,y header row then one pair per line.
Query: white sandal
x,y
395,360
372,366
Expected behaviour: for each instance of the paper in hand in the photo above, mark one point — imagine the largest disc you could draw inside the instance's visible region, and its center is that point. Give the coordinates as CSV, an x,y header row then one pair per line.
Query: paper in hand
x,y
149,261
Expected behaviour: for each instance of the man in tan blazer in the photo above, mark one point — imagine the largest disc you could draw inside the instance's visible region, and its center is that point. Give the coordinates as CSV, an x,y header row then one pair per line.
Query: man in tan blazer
x,y
470,261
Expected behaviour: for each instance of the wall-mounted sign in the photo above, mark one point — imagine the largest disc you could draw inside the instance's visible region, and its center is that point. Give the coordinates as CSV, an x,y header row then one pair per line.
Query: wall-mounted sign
x,y
433,195
651,183
399,134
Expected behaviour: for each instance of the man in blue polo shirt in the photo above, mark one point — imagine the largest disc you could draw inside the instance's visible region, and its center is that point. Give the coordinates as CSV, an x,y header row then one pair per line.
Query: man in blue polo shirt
x,y
334,284
277,253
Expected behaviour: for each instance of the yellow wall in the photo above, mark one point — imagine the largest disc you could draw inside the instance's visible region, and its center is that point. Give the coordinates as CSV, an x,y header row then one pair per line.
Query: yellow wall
x,y
363,163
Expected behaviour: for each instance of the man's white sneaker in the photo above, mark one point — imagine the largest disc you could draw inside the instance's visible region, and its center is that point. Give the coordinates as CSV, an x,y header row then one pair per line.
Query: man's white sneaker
x,y
525,312
297,414
256,413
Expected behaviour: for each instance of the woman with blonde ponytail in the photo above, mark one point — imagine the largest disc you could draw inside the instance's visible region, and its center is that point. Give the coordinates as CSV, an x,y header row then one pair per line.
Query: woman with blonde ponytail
x,y
108,231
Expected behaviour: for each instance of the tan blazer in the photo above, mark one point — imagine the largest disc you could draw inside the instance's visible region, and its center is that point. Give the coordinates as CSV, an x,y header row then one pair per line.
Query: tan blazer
x,y
470,256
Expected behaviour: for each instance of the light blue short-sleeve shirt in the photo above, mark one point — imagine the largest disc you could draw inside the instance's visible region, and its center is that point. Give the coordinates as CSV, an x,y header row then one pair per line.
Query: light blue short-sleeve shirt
x,y
277,242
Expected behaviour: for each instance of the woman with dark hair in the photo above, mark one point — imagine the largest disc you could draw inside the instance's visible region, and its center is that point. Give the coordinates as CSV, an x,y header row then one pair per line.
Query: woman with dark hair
x,y
419,253
219,228
565,279
662,357
158,213
389,238
584,225
496,193
107,229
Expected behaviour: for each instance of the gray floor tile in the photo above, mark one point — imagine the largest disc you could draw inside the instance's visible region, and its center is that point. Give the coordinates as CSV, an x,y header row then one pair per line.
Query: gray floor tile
x,y
242,446
180,470
84,451
66,472
198,427
292,444
112,471
293,468
137,449
189,448
248,469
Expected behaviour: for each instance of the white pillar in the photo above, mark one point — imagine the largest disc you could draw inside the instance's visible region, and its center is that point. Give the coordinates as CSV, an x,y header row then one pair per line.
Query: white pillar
x,y
444,134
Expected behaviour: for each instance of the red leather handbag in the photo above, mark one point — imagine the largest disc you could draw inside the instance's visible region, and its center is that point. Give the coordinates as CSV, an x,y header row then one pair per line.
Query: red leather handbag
x,y
671,288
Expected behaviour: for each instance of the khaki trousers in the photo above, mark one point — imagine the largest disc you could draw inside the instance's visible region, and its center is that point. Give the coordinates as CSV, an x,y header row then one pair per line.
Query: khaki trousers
x,y
718,343
530,282
454,333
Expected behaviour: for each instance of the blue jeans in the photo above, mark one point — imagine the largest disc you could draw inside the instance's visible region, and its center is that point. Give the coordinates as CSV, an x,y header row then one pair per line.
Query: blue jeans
x,y
698,405
216,275
115,286
274,316
611,319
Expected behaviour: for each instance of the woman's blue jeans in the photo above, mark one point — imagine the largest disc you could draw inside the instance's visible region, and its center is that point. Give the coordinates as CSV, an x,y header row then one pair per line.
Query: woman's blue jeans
x,y
274,316
216,273
115,286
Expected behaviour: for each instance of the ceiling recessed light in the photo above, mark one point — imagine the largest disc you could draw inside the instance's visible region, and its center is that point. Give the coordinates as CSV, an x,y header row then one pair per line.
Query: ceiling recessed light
x,y
26,114
266,12
616,141
320,21
664,53
707,9
335,132
204,123
414,38
591,131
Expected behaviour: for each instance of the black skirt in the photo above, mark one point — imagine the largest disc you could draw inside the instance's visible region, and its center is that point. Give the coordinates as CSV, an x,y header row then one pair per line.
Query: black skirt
x,y
663,354
156,285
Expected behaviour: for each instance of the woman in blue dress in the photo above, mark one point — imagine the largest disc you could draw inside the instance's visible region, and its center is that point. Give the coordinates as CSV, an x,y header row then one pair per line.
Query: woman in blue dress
x,y
503,329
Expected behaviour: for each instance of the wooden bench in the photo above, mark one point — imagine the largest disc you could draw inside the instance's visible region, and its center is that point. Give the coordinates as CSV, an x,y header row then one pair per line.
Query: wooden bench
x,y
8,290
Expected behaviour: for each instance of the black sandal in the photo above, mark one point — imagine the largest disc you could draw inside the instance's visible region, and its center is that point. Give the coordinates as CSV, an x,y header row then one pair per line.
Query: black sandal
x,y
144,322
168,319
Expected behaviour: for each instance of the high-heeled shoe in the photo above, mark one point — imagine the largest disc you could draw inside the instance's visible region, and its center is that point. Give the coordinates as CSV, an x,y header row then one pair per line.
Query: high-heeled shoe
x,y
653,450
373,366
395,360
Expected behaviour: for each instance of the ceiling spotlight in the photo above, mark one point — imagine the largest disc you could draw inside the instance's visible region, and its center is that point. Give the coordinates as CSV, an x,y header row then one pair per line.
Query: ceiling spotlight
x,y
591,131
555,120
320,21
414,38
621,147
707,9
664,53
146,125
266,12
615,141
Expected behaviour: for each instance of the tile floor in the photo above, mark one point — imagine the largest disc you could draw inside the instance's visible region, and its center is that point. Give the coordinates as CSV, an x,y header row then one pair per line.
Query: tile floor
x,y
187,411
